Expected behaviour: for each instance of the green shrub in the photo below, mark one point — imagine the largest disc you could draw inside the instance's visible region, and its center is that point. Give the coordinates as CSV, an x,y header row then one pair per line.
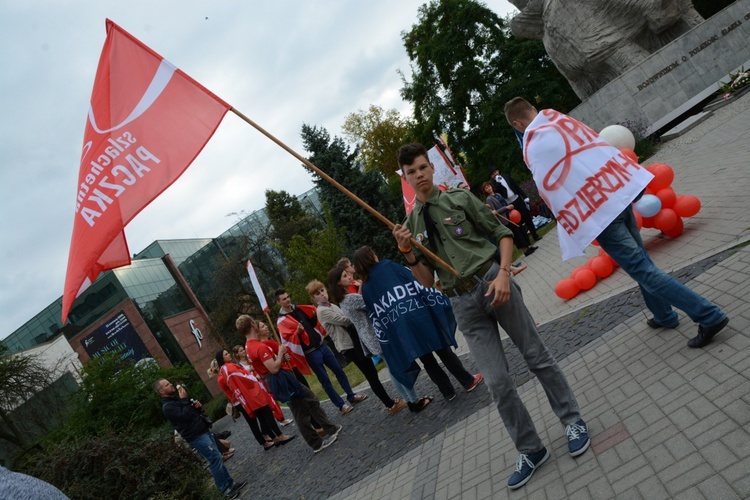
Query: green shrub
x,y
122,466
217,407
116,395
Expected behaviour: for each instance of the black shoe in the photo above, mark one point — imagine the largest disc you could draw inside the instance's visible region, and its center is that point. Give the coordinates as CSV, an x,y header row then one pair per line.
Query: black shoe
x,y
653,324
706,333
529,251
421,404
234,491
536,237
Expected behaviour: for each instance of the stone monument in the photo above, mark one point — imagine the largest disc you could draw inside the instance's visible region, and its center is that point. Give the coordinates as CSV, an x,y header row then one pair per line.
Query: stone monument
x,y
592,42
638,61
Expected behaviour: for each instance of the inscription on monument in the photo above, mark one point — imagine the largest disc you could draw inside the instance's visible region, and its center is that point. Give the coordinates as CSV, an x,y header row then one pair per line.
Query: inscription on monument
x,y
691,53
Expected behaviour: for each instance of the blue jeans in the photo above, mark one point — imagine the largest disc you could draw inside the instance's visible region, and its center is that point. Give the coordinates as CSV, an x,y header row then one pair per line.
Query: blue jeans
x,y
478,321
206,446
622,241
408,394
318,360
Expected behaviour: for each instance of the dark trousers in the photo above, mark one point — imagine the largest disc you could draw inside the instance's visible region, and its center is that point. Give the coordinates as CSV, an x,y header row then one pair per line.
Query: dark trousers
x,y
252,422
520,238
267,423
366,366
306,408
526,218
302,380
439,377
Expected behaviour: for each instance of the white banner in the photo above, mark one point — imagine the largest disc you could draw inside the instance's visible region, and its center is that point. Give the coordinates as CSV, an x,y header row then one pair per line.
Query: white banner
x,y
446,174
584,181
256,286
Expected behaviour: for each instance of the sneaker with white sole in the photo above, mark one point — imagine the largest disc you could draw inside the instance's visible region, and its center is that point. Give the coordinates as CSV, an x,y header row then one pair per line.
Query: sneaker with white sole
x,y
325,444
335,433
578,438
526,466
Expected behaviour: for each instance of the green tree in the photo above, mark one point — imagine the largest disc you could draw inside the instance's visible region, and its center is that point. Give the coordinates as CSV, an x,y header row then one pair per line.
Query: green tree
x,y
465,64
708,8
378,134
24,381
231,292
311,256
116,396
335,158
288,217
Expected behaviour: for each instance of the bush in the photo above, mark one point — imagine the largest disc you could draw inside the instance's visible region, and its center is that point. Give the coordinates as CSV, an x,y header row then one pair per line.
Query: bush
x,y
216,408
117,395
123,466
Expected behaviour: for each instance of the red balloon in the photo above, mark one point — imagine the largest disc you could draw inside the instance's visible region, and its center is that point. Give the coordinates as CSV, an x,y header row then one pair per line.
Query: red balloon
x,y
585,279
566,289
649,191
595,243
665,219
676,230
515,216
687,206
648,222
602,253
630,154
663,176
577,270
602,266
638,219
667,197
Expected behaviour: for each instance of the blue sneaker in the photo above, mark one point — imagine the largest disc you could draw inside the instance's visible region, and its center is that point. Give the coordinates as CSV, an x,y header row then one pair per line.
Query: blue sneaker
x,y
525,467
578,438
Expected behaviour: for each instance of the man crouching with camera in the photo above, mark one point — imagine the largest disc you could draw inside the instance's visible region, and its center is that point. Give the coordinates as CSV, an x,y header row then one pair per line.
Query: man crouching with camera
x,y
187,417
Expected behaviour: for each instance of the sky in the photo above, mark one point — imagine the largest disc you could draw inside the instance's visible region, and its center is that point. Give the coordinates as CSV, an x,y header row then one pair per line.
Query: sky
x,y
282,63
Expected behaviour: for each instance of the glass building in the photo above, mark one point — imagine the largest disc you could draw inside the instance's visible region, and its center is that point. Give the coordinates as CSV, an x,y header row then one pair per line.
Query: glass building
x,y
148,282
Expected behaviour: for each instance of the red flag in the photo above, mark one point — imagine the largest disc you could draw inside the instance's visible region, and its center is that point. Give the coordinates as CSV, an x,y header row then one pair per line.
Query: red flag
x,y
408,194
147,122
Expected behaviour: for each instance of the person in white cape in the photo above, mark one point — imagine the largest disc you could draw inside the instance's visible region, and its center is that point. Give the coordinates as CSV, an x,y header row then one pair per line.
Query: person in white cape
x,y
589,185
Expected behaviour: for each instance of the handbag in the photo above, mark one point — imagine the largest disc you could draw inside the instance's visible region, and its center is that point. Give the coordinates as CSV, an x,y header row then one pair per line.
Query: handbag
x,y
232,411
284,386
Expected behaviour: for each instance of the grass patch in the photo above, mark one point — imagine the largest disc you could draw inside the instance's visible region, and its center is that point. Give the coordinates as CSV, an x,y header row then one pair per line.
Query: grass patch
x,y
645,148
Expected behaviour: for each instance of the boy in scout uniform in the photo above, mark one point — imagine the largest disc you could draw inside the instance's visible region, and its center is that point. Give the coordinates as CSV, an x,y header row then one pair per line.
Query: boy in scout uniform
x,y
457,227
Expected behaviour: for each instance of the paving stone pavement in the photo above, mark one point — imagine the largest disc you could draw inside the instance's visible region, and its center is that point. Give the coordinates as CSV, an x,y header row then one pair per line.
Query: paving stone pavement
x,y
666,421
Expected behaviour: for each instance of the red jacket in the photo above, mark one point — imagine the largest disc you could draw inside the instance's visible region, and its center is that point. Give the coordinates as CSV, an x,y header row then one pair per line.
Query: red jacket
x,y
287,326
241,386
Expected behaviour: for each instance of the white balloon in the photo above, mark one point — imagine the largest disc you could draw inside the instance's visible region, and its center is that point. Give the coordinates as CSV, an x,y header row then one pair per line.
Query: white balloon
x,y
618,136
648,206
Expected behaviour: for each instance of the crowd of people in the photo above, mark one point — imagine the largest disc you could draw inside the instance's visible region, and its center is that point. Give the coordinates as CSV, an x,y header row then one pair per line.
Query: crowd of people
x,y
373,308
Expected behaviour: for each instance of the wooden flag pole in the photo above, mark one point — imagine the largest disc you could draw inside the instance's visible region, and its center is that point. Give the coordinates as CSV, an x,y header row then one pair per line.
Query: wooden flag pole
x,y
505,218
270,325
348,193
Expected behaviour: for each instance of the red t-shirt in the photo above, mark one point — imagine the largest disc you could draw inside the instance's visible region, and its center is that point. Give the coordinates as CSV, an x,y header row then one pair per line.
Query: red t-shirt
x,y
258,352
273,345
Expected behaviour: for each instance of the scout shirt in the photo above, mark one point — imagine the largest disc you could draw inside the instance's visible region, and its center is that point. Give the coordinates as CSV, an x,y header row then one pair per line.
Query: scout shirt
x,y
464,224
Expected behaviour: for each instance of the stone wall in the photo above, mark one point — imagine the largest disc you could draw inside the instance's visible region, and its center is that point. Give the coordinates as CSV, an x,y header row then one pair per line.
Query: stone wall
x,y
677,77
190,329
